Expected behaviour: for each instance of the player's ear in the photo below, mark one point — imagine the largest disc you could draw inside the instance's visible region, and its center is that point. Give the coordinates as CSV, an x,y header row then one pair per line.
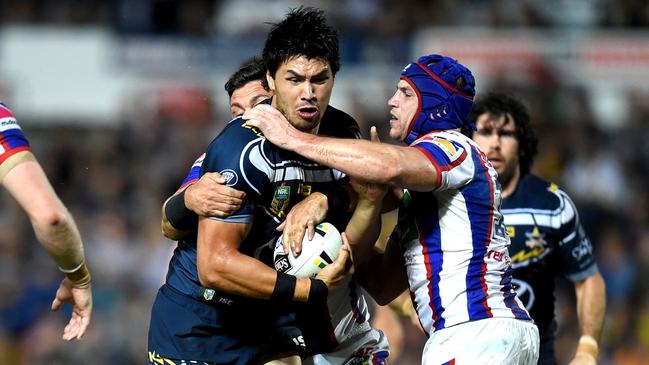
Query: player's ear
x,y
271,81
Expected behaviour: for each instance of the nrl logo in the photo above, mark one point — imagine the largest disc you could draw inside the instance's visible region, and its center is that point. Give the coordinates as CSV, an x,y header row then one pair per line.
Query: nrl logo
x,y
230,177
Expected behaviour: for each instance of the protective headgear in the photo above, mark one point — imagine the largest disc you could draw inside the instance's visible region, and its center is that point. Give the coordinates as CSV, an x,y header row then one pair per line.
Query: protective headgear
x,y
444,103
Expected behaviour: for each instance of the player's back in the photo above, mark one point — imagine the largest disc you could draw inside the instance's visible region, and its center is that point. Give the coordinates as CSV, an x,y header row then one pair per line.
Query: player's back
x,y
455,244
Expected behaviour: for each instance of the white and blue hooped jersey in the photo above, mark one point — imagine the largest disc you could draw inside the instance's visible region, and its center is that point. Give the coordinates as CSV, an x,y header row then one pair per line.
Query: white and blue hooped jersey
x,y
453,238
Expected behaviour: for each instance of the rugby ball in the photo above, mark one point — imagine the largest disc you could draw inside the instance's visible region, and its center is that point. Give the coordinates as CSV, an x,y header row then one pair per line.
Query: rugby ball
x,y
316,254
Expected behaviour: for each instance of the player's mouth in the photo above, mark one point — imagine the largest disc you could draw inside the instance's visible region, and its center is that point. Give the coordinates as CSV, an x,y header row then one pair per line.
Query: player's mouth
x,y
496,160
307,112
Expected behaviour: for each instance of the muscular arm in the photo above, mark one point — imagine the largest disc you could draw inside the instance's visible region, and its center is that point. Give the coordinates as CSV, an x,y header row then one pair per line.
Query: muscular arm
x,y
364,160
53,224
381,273
57,233
591,305
221,266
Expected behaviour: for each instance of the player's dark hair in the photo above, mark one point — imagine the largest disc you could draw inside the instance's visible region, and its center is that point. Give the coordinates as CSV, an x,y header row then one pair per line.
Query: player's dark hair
x,y
504,104
250,70
303,32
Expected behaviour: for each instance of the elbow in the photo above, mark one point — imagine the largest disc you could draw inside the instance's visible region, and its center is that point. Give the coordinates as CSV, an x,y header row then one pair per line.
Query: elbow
x,y
211,272
50,219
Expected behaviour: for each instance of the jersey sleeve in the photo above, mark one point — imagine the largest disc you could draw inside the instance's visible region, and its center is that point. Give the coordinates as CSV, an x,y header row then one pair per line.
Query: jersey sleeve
x,y
576,256
12,138
239,154
194,172
450,158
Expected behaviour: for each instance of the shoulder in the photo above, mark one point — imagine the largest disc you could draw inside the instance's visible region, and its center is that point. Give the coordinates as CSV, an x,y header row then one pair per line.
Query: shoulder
x,y
536,192
235,136
12,138
337,123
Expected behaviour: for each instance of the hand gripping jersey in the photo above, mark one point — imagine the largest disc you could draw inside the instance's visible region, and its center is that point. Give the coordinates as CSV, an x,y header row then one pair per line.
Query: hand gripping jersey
x,y
547,240
12,139
454,241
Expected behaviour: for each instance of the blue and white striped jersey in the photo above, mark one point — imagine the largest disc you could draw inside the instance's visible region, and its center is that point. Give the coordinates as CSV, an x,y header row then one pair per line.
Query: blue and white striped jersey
x,y
454,241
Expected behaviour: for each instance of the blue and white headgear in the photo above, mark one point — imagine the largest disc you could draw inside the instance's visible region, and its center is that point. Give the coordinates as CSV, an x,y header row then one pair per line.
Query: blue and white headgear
x,y
444,103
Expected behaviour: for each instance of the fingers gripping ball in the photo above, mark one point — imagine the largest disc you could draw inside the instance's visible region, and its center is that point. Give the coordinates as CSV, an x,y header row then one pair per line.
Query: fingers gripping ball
x,y
316,254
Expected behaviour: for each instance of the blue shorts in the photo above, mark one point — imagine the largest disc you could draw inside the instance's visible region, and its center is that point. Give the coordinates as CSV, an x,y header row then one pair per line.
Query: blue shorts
x,y
186,328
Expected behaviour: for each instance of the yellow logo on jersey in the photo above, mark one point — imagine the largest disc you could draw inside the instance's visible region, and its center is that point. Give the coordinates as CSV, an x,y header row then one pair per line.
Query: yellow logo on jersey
x,y
446,144
304,189
553,187
511,231
523,255
254,129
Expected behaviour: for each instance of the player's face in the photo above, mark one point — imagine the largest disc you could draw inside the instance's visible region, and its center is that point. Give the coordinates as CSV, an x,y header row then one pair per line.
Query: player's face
x,y
302,89
403,106
247,96
496,136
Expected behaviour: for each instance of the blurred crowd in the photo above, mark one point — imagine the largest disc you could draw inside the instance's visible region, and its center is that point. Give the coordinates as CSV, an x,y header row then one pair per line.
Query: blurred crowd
x,y
115,178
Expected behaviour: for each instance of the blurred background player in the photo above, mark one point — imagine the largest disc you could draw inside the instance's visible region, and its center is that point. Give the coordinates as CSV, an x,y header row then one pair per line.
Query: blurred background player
x,y
353,338
25,180
547,238
453,252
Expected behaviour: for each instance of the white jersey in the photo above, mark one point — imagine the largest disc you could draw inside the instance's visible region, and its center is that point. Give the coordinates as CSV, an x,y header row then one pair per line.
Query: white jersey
x,y
453,239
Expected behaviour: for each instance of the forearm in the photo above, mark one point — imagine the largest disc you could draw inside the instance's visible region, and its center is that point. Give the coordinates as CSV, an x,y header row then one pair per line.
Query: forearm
x,y
61,239
383,276
239,274
374,162
363,230
177,220
591,305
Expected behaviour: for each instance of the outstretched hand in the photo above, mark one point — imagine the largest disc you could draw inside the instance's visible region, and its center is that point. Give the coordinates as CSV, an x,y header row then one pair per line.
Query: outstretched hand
x,y
81,301
272,123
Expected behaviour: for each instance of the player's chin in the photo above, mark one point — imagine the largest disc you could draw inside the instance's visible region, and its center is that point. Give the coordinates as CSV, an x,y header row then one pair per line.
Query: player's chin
x,y
307,125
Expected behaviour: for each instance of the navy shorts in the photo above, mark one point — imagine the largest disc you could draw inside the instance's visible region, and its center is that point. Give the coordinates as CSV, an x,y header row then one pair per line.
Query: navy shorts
x,y
250,332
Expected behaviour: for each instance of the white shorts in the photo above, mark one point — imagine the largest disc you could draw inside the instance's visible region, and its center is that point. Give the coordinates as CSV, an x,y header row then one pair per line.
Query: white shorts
x,y
487,341
370,348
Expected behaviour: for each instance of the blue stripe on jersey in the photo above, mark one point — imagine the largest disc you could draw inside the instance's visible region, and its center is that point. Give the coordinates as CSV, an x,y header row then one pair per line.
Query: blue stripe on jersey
x,y
431,244
480,212
194,174
13,141
509,295
441,158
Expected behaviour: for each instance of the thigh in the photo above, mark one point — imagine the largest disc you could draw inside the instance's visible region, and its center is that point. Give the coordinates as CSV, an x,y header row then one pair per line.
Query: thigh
x,y
183,328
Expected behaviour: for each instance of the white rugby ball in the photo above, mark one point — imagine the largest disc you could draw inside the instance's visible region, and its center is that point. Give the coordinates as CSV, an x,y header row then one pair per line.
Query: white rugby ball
x,y
316,254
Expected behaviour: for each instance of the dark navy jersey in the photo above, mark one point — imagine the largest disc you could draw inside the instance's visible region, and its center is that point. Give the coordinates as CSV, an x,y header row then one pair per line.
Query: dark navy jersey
x,y
547,240
274,180
335,123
